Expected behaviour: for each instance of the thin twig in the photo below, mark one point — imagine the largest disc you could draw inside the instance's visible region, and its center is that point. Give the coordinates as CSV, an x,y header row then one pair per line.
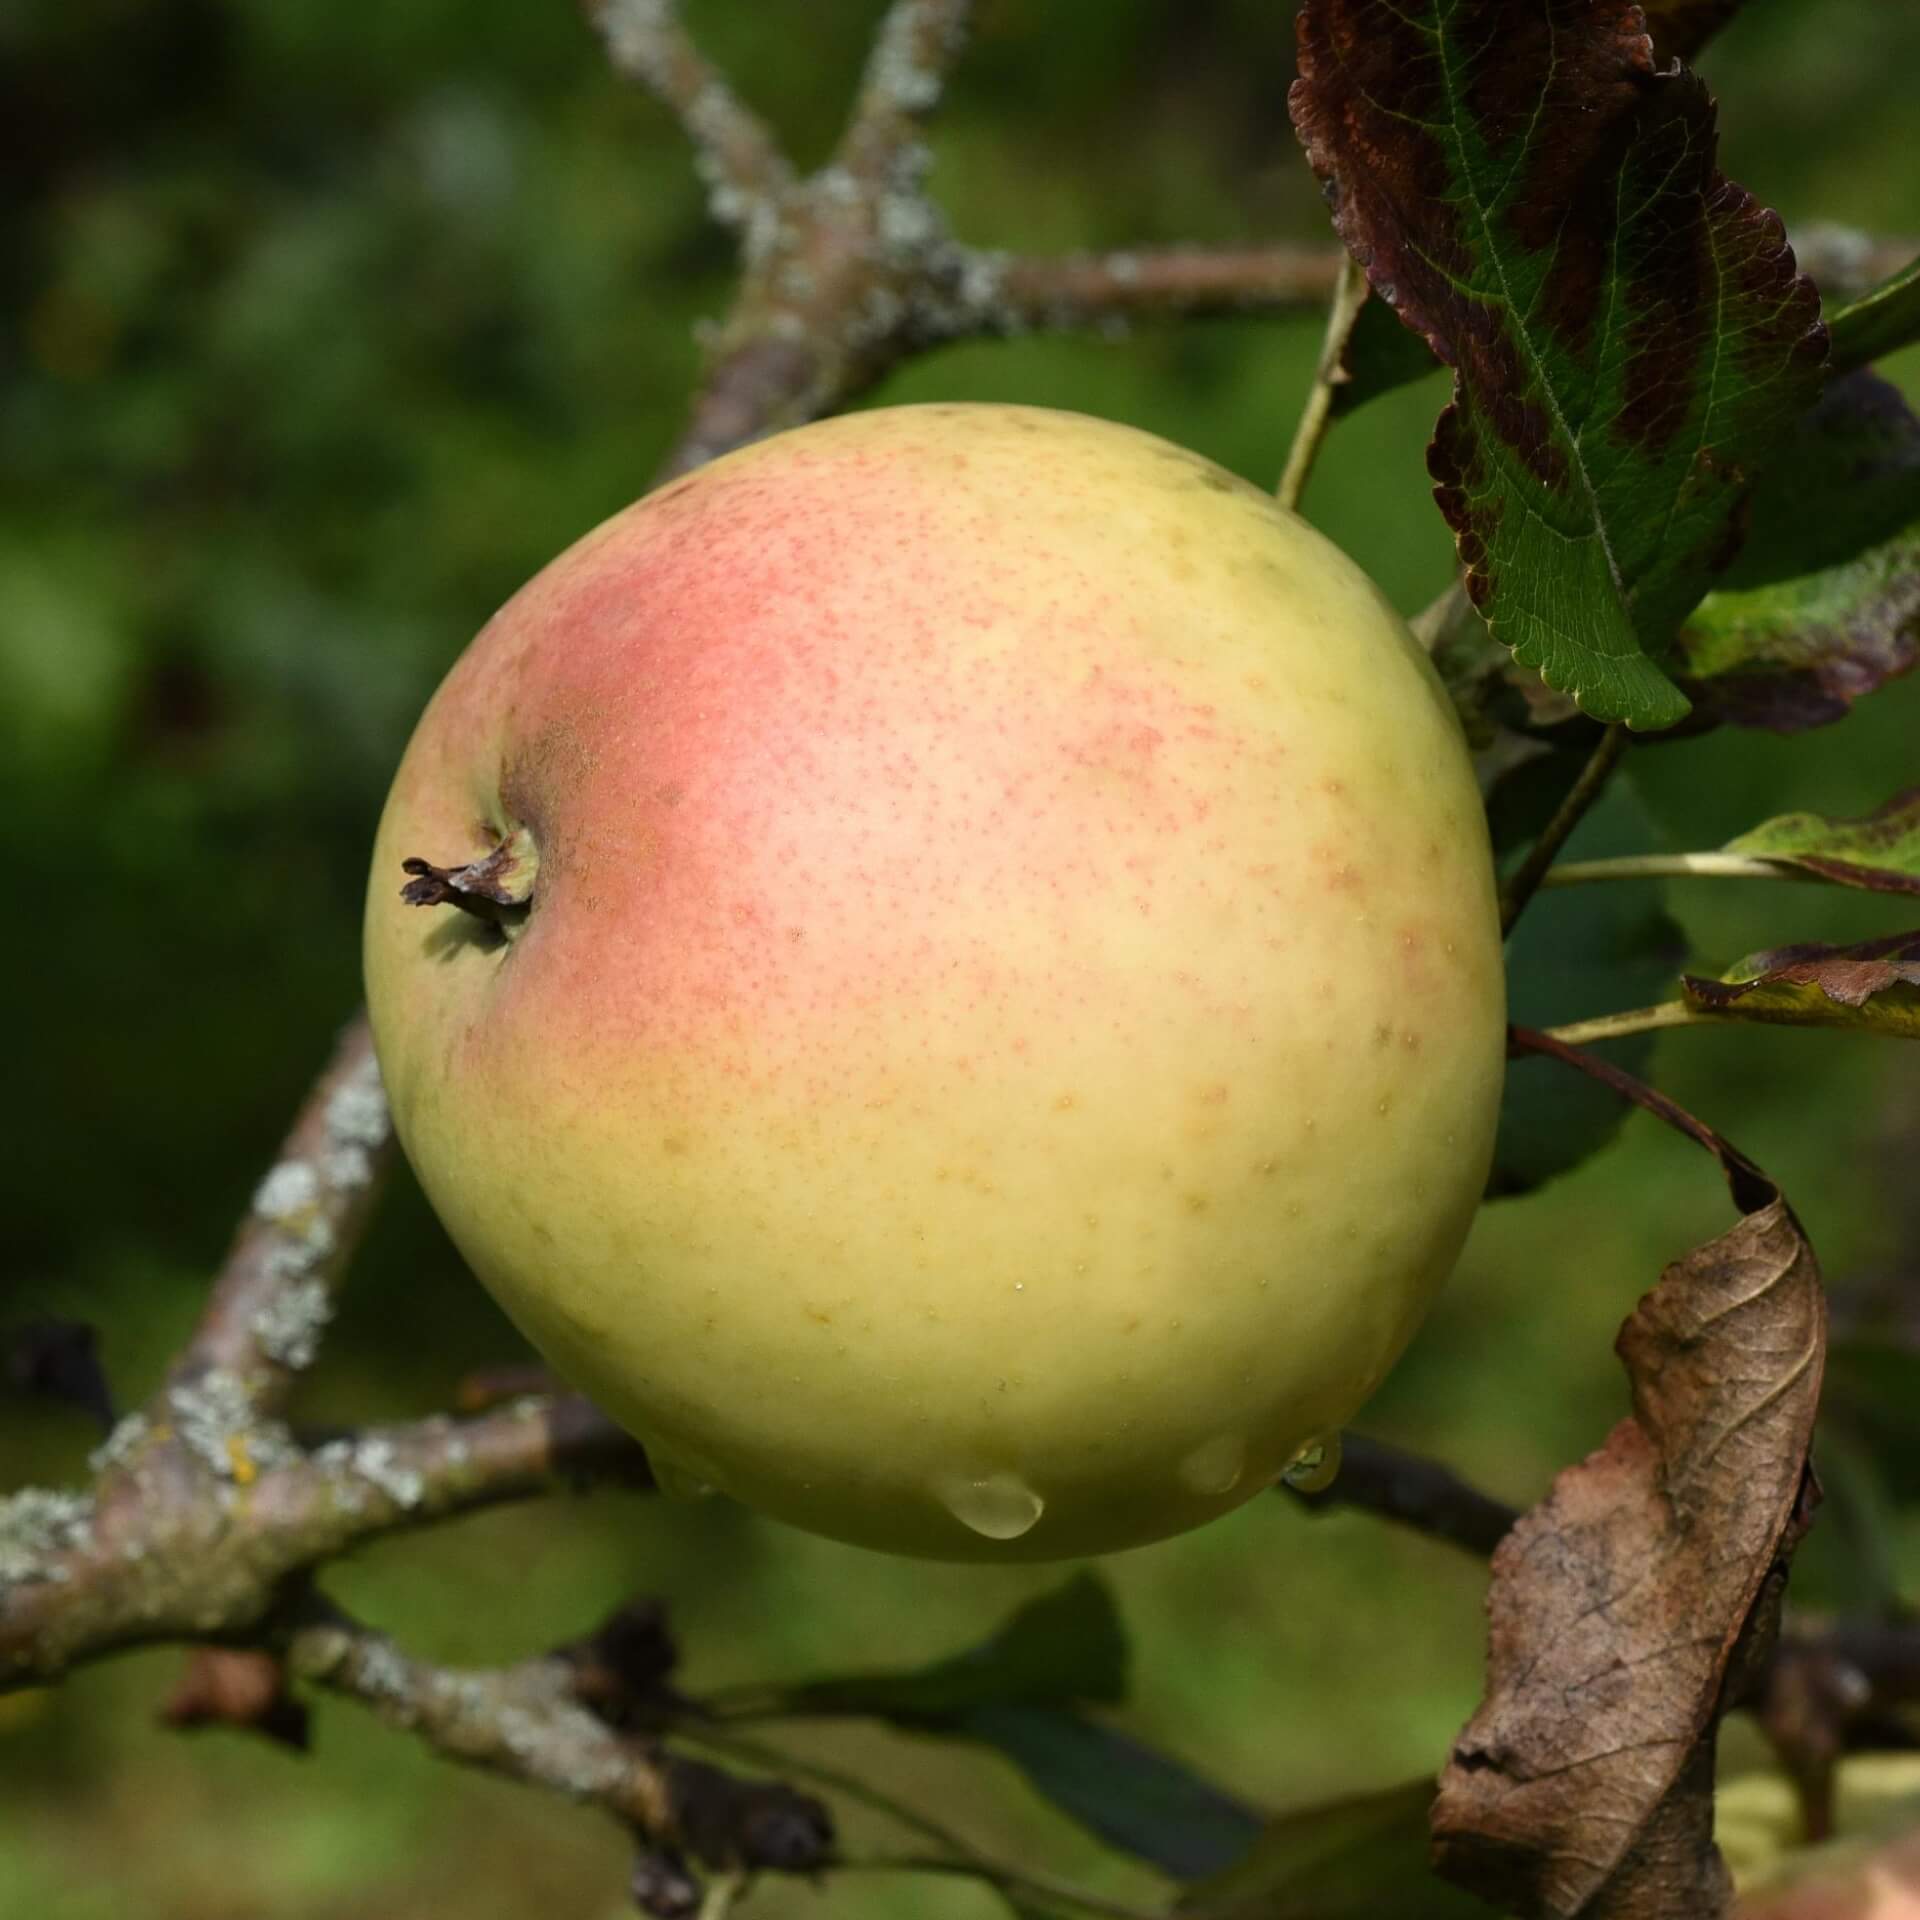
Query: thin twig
x,y
263,1318
1095,289
1674,866
913,52
1349,292
1424,1494
735,149
1592,781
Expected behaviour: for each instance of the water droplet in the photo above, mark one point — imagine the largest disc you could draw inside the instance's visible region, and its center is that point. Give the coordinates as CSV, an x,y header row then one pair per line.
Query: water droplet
x,y
1315,1465
1215,1466
997,1506
683,1478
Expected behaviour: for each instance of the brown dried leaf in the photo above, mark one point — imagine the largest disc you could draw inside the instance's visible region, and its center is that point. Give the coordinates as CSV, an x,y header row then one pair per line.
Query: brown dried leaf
x,y
236,1687
1583,1784
1873,987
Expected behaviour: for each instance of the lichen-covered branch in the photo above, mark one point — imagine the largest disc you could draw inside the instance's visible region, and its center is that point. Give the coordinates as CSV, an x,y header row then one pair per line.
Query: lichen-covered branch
x,y
529,1723
735,151
203,1518
271,1300
1160,283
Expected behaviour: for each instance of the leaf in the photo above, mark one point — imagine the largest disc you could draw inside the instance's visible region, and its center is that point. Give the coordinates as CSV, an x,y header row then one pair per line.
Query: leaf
x,y
1880,852
1066,1645
1884,318
1800,654
1845,479
1538,199
1014,1692
1135,1799
1358,1859
1873,987
1618,1604
1823,604
1379,355
1584,949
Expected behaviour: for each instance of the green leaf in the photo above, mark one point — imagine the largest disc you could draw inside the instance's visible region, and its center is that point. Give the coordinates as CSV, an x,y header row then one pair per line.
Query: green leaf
x,y
1879,852
1066,1645
1873,987
1537,197
1137,1800
1882,319
1581,950
1360,1859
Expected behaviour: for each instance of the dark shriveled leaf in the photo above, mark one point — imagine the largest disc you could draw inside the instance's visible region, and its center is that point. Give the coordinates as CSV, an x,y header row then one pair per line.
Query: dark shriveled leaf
x,y
1131,1796
1583,1784
1845,479
1598,947
1873,987
1063,1646
1538,199
1680,28
1878,853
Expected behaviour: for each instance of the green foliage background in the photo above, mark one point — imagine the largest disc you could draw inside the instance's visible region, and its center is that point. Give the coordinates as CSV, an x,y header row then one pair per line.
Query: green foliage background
x,y
321,327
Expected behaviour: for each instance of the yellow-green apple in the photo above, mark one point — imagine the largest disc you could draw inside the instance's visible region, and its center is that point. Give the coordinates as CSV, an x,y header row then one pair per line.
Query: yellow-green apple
x,y
963,997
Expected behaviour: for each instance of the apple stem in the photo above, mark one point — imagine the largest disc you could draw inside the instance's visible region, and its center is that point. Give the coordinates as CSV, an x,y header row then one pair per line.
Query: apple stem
x,y
495,888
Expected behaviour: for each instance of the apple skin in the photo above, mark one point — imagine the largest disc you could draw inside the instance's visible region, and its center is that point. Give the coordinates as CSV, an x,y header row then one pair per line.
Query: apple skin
x,y
1006,1036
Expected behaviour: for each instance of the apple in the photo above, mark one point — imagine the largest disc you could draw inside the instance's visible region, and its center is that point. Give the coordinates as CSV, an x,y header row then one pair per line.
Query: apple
x,y
960,994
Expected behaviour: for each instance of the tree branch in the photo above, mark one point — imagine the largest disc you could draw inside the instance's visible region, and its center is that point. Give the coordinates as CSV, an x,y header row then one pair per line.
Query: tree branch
x,y
1423,1494
733,147
913,52
1153,283
527,1723
199,1527
271,1300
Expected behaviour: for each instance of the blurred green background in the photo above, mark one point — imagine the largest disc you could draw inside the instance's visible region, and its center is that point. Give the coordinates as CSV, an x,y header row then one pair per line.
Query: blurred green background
x,y
321,327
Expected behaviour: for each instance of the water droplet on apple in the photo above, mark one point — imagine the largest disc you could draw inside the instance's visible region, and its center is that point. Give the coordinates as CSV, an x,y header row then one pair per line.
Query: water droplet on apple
x,y
682,1478
1315,1465
1215,1466
997,1506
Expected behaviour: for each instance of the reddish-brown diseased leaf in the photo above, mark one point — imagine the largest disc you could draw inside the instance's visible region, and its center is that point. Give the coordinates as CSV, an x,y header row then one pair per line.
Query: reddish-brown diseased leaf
x,y
1537,197
1873,987
1583,1784
1878,853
